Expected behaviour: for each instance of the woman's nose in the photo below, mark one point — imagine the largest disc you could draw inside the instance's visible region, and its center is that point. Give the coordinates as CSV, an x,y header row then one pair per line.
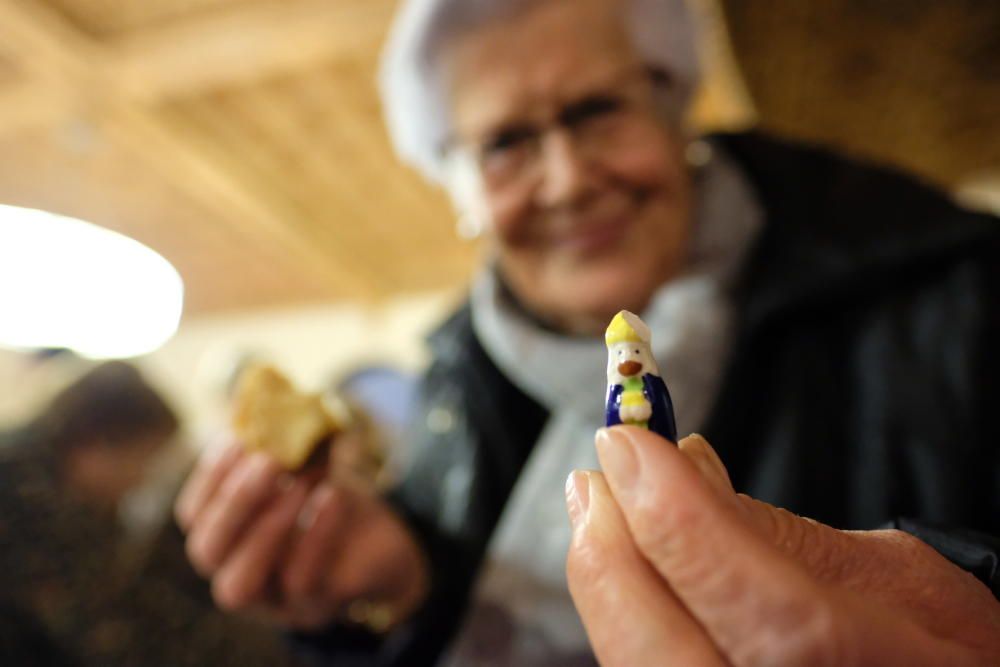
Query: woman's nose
x,y
563,170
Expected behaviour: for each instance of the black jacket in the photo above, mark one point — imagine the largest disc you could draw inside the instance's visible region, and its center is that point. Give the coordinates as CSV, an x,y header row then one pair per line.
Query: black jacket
x,y
860,390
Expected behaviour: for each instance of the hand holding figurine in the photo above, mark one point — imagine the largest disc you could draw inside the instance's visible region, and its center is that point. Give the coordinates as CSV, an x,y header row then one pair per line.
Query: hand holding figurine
x,y
669,565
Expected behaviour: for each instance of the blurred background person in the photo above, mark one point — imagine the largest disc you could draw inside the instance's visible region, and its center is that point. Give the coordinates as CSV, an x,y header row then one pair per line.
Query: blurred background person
x,y
82,582
825,322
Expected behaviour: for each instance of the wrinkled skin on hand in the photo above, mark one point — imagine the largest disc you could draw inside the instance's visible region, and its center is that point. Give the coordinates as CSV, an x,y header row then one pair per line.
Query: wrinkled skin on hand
x,y
668,565
296,549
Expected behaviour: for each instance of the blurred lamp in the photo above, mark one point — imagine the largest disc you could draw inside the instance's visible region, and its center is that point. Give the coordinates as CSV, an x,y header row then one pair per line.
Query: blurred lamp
x,y
65,283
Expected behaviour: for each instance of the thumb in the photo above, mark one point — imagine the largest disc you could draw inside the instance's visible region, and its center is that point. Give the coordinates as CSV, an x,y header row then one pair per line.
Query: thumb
x,y
825,552
821,549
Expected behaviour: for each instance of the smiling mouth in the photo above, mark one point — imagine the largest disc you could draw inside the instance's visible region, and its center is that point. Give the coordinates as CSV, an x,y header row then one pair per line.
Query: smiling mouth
x,y
591,238
593,234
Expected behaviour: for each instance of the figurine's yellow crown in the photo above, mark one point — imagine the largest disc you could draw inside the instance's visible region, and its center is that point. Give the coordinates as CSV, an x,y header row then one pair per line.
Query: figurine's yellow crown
x,y
626,327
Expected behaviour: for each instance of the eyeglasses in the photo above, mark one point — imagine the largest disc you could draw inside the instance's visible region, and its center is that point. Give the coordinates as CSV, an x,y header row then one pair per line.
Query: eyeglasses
x,y
598,122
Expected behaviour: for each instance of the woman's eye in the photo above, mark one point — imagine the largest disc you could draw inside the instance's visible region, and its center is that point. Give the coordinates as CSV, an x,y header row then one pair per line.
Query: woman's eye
x,y
505,154
589,109
508,140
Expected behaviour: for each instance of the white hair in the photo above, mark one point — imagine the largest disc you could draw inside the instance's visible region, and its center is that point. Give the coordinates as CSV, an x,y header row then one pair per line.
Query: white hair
x,y
414,96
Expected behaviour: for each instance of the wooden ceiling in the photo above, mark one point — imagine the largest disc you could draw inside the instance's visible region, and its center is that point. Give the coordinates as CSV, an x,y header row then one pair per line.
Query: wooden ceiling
x,y
243,139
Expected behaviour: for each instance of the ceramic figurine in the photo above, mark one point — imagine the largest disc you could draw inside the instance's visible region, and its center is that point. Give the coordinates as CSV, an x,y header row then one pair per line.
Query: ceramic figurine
x,y
637,394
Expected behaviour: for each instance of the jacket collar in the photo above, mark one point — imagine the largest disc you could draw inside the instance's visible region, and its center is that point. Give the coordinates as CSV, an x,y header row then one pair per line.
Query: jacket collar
x,y
834,225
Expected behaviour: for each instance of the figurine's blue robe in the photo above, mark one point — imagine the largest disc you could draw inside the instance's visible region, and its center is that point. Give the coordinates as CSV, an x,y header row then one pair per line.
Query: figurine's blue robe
x,y
655,390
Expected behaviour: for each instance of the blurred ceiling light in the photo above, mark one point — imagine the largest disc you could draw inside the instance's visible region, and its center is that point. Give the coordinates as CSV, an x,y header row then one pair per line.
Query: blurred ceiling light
x,y
65,283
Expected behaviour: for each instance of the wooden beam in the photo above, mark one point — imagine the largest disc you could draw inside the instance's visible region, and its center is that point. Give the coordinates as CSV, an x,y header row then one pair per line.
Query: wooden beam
x,y
243,44
218,140
237,45
27,105
271,111
46,45
248,209
62,72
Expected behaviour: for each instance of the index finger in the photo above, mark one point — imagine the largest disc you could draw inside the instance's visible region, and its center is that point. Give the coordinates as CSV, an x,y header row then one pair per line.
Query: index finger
x,y
212,468
745,593
630,614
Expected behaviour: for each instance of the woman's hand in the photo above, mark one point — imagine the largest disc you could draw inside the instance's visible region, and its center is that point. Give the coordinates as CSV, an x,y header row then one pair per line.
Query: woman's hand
x,y
302,550
669,565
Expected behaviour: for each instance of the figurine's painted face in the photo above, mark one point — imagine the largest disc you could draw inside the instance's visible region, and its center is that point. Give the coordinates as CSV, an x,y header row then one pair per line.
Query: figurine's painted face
x,y
582,178
627,359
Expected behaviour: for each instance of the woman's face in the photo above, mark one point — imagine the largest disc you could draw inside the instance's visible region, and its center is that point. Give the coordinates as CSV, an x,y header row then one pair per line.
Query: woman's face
x,y
582,178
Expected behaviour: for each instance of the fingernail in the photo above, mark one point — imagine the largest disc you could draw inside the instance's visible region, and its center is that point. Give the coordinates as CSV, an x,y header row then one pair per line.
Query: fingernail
x,y
710,463
319,501
577,496
617,456
249,470
257,463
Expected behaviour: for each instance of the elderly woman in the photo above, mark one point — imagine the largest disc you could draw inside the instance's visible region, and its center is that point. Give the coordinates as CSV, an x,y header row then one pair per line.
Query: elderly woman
x,y
829,326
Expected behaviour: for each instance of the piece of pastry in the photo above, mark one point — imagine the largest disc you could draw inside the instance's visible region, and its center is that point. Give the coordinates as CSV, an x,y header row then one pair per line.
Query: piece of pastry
x,y
272,416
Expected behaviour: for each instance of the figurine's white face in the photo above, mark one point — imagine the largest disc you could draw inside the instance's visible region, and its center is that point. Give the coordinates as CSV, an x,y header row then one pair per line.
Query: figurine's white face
x,y
627,359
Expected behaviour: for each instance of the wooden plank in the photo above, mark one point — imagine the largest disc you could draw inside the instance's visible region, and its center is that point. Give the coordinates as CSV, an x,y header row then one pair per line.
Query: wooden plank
x,y
247,207
31,104
244,44
221,137
233,46
326,175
